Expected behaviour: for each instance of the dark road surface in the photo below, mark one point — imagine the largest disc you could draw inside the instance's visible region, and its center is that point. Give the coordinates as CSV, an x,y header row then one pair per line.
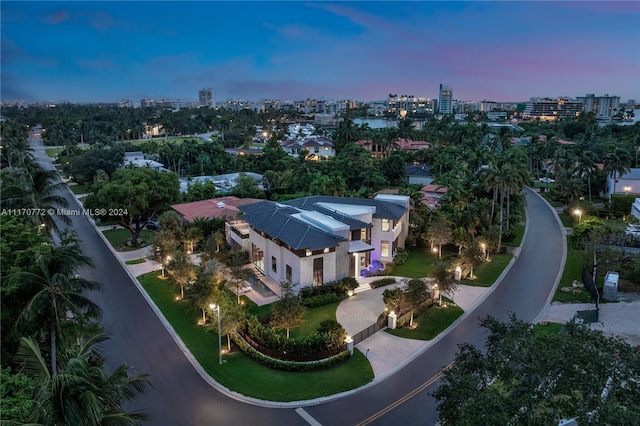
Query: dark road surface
x,y
180,396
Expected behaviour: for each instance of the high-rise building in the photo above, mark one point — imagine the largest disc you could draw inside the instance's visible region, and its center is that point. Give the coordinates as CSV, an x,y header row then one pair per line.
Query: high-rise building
x,y
205,98
602,106
552,109
445,100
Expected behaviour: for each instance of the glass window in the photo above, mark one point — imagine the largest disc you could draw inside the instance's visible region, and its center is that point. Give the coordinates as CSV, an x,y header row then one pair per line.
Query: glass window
x,y
318,264
274,264
287,269
384,249
385,225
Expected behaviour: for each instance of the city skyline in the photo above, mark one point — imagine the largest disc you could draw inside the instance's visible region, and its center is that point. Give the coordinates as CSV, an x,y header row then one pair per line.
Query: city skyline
x,y
499,51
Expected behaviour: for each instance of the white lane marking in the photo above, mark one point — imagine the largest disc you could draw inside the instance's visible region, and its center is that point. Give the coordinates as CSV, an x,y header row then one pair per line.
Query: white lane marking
x,y
307,417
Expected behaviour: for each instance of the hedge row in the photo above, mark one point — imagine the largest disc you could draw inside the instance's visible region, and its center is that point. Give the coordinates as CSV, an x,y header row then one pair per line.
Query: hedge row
x,y
288,365
339,287
382,282
319,300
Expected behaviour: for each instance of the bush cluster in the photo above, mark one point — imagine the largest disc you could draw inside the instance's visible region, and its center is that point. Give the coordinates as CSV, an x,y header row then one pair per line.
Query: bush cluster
x,y
320,300
270,339
402,255
339,287
288,365
382,282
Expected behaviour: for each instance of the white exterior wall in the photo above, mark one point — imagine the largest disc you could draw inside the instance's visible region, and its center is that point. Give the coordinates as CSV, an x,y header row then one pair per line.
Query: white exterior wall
x,y
632,185
635,209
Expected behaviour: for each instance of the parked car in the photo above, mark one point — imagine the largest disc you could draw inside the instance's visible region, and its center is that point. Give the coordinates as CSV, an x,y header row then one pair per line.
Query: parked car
x,y
546,180
153,225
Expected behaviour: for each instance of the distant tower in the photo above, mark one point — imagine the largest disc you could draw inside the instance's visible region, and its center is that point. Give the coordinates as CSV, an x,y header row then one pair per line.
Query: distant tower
x,y
205,98
445,100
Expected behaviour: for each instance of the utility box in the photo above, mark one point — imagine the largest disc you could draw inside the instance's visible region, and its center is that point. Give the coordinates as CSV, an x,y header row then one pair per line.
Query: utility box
x,y
610,291
391,320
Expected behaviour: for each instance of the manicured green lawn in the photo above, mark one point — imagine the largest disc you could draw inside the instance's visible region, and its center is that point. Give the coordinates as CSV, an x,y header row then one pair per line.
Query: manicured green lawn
x,y
53,152
421,263
430,323
239,372
79,189
314,316
135,261
567,220
548,329
119,238
519,234
253,308
487,273
572,271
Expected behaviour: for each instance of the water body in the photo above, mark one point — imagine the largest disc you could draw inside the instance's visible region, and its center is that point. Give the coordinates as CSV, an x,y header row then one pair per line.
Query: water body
x,y
378,123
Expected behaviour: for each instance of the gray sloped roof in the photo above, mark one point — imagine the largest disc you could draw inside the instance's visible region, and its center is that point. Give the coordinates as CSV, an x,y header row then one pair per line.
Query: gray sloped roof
x,y
277,221
384,209
353,223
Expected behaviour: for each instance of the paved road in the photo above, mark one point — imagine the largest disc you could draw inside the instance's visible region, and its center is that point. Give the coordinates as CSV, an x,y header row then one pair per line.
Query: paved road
x,y
181,397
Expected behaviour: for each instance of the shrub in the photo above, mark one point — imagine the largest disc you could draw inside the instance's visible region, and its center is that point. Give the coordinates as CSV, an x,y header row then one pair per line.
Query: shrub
x,y
278,364
348,283
402,255
320,300
382,282
339,288
334,330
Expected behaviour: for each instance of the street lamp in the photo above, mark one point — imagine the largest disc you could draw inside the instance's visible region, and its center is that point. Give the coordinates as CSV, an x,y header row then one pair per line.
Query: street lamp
x,y
579,213
216,308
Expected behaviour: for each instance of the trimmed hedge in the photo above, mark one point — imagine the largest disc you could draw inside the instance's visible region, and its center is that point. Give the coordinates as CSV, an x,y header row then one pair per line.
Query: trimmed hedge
x,y
288,365
402,255
339,287
382,282
320,300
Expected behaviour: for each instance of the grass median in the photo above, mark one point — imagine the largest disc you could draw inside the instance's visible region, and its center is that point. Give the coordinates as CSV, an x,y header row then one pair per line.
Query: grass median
x,y
487,273
239,372
431,322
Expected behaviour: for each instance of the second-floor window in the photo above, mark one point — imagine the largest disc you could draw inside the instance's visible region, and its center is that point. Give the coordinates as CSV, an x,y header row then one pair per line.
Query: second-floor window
x,y
274,264
386,225
287,273
318,276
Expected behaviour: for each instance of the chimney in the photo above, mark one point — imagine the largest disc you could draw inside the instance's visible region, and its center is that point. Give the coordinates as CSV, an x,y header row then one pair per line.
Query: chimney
x,y
220,204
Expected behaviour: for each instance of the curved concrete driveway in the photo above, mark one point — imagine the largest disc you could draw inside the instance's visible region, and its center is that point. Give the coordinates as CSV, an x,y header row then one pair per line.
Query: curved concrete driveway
x,y
180,396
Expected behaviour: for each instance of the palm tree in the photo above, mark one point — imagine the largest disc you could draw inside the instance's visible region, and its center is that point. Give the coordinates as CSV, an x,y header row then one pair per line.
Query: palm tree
x,y
81,392
616,164
58,300
38,190
585,166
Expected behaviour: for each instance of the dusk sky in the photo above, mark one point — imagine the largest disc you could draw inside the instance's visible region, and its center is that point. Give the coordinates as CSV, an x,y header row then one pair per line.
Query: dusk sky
x,y
501,51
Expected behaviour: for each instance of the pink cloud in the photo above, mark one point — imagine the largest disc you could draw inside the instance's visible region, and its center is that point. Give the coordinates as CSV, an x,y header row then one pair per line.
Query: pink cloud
x,y
57,17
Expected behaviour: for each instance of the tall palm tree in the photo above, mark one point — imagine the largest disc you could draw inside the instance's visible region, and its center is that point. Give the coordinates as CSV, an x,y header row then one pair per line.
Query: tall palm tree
x,y
58,299
617,162
81,392
585,166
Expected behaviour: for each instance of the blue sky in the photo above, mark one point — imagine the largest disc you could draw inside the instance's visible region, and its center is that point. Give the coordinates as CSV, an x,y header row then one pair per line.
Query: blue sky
x,y
502,51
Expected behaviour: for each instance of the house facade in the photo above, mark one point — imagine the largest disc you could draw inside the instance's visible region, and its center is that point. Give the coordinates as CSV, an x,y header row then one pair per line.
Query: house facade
x,y
628,183
315,240
318,148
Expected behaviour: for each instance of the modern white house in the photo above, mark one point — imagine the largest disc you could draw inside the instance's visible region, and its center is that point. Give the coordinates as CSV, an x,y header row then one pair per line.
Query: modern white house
x,y
628,183
314,240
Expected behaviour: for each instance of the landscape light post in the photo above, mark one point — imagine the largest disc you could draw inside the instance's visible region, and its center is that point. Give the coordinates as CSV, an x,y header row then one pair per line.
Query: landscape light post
x,y
215,308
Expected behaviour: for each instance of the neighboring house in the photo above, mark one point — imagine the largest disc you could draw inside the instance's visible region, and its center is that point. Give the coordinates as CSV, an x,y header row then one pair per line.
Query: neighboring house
x,y
215,208
378,149
432,194
243,151
223,183
635,209
136,159
628,183
418,173
318,148
314,240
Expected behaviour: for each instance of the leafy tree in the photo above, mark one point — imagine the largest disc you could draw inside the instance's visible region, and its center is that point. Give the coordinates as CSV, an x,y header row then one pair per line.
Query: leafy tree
x,y
230,316
181,270
135,195
415,294
237,272
206,287
393,299
472,257
534,379
85,166
393,169
445,279
58,300
80,392
288,311
616,163
247,187
16,393
439,233
198,191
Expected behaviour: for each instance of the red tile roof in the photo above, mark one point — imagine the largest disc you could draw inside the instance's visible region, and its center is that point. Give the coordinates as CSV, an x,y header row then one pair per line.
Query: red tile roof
x,y
214,208
433,188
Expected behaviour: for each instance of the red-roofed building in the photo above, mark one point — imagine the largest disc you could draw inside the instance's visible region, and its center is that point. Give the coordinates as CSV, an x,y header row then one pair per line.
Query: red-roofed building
x,y
432,194
401,144
215,208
